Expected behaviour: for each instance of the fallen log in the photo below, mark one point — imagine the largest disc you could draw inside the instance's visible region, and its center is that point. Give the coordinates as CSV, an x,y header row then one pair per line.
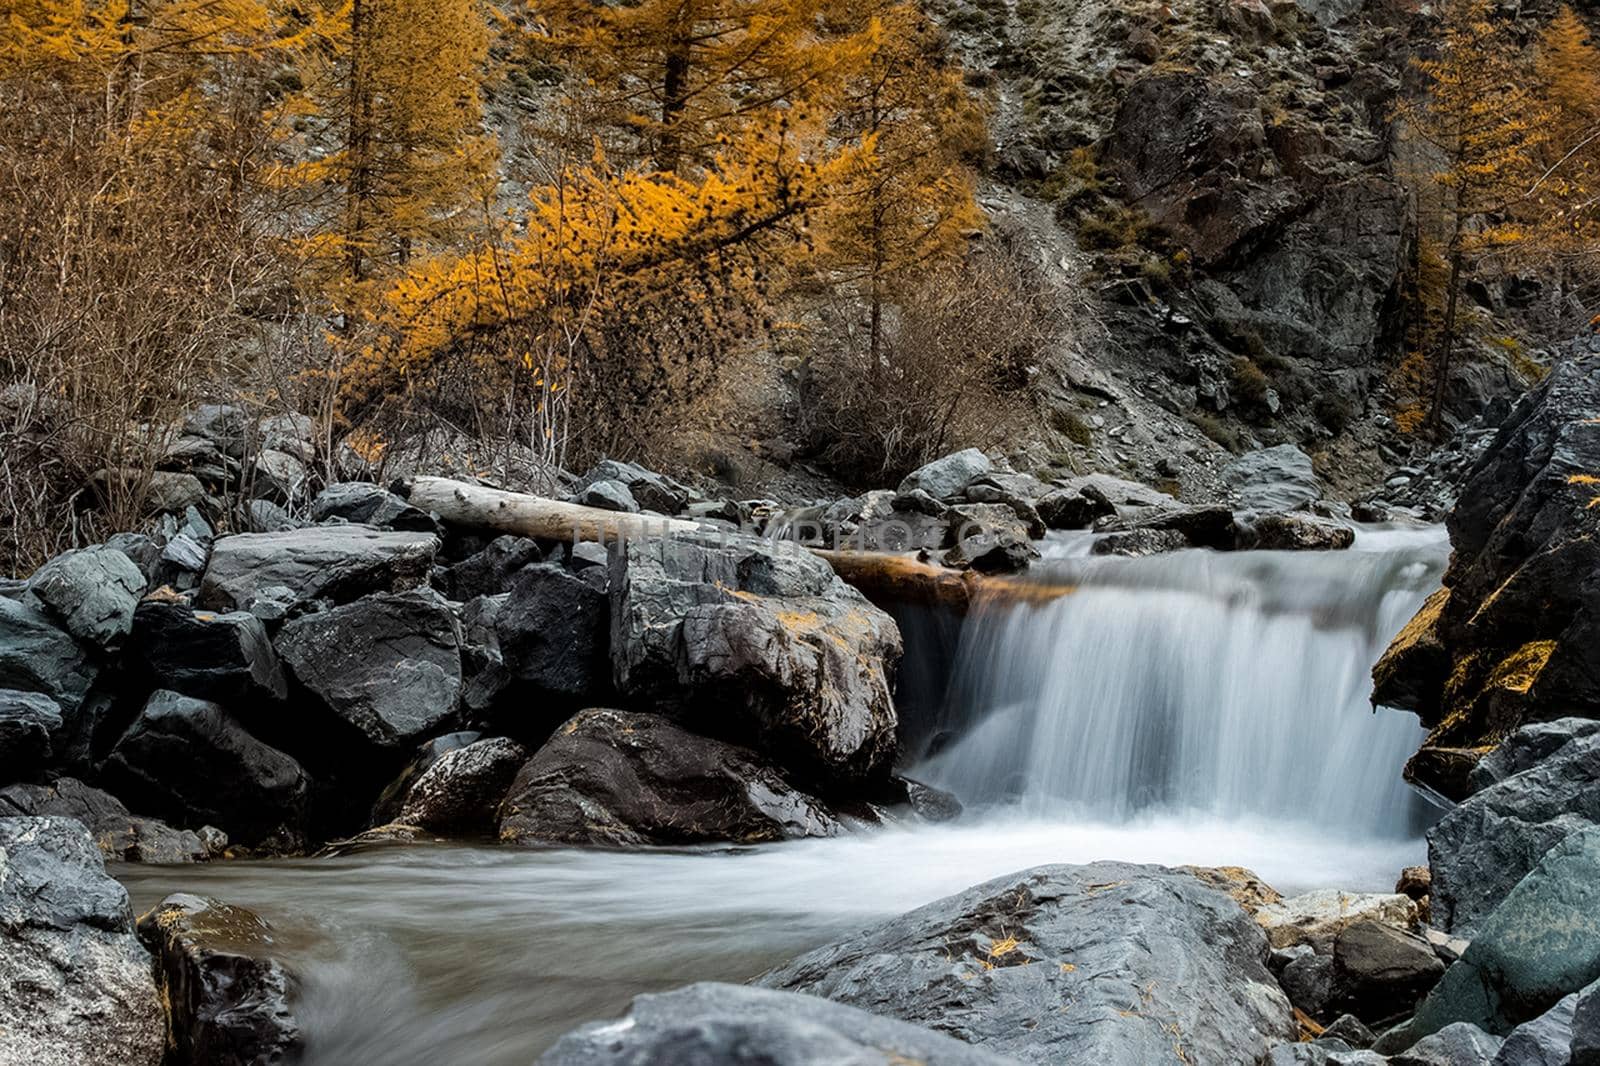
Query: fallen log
x,y
883,577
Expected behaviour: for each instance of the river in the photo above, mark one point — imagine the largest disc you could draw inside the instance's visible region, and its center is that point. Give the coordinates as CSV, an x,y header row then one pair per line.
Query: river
x,y
1191,708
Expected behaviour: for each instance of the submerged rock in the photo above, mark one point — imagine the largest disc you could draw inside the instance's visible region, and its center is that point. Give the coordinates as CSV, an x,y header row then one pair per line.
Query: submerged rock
x,y
624,779
729,1025
1108,963
75,986
228,999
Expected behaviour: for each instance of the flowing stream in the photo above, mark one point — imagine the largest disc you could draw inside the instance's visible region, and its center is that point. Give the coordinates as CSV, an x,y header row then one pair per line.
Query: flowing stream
x,y
1191,708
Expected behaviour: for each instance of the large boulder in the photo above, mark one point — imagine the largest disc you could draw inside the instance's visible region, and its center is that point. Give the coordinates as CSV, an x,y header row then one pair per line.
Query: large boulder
x,y
490,572
28,723
1108,963
729,1025
1457,1044
368,504
1297,531
1202,525
189,762
1380,972
423,758
119,833
1317,918
1273,479
36,656
758,642
945,478
388,667
624,779
226,657
650,490
228,999
1544,1041
461,792
91,593
1484,846
338,563
75,986
554,635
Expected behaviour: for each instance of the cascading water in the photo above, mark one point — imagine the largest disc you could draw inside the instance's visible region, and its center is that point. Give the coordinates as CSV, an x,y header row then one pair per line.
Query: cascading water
x,y
1192,708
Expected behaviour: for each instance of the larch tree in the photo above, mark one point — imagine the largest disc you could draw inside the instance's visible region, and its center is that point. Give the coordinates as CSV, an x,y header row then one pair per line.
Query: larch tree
x,y
1567,191
1485,125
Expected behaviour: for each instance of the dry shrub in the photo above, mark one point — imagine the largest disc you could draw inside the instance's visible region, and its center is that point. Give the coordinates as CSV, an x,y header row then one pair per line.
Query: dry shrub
x,y
956,365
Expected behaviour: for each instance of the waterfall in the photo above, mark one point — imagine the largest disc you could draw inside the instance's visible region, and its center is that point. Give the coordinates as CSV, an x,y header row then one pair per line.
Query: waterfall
x,y
1226,686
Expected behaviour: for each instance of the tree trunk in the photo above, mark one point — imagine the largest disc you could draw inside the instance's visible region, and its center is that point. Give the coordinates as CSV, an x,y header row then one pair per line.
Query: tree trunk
x,y
358,138
1448,342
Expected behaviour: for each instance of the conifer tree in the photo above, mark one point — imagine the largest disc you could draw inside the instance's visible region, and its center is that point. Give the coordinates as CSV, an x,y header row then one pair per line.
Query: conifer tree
x,y
1567,192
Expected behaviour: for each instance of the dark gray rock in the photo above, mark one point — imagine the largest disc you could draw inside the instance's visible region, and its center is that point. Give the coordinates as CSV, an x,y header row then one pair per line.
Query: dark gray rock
x,y
945,478
1527,747
222,657
1149,963
368,504
183,559
1545,1041
1308,982
1296,531
121,835
143,552
189,762
279,477
36,656
387,666
264,516
991,553
228,998
1380,972
1586,1027
1459,1044
754,641
554,634
492,570
608,496
91,593
427,753
1071,509
623,779
227,426
1139,543
1207,526
75,986
1351,1030
735,1025
292,433
28,723
461,792
1274,479
338,563
650,490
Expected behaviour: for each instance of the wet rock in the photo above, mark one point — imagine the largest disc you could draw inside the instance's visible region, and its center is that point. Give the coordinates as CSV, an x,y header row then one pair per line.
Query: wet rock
x,y
754,641
461,792
1455,1045
387,666
1317,918
1274,479
338,563
229,1000
1380,972
945,478
91,593
491,571
120,834
623,779
35,656
931,804
28,722
607,496
991,553
554,635
1071,509
1150,961
1201,526
1294,532
190,762
210,656
651,491
724,1025
75,986
427,753
1139,543
373,505
1483,847
1415,882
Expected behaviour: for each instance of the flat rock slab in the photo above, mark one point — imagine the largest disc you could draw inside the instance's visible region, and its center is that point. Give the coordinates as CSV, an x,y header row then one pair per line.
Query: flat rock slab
x,y
338,563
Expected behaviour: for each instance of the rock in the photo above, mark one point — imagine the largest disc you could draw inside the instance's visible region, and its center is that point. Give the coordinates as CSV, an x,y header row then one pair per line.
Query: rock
x,y
268,517
990,553
1238,884
1351,1030
221,657
1201,526
1380,972
1273,479
1294,532
554,635
608,496
491,571
652,491
28,722
373,505
1483,847
931,804
1152,965
91,593
1527,747
1317,918
279,476
754,641
1415,882
225,425
1308,982
1139,543
387,666
1586,1028
291,433
427,753
727,1025
1540,944
189,762
228,998
1455,1045
338,563
35,656
120,835
140,550
945,478
1545,1041
623,779
461,792
986,492
183,559
75,986
1071,509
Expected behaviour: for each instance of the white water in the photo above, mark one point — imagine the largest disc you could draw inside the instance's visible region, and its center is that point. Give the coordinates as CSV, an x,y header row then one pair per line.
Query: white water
x,y
1194,708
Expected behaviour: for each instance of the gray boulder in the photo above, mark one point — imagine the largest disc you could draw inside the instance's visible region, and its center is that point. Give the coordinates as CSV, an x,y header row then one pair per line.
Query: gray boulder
x,y
1139,543
338,563
121,835
91,593
1380,972
190,762
1527,747
1308,982
607,495
735,1025
225,425
75,986
1459,1044
1202,526
491,571
368,504
1274,479
28,723
947,477
1586,1027
388,666
36,656
1108,963
228,998
751,640
554,634
223,657
279,476
461,792
1545,1041
650,490
1293,531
